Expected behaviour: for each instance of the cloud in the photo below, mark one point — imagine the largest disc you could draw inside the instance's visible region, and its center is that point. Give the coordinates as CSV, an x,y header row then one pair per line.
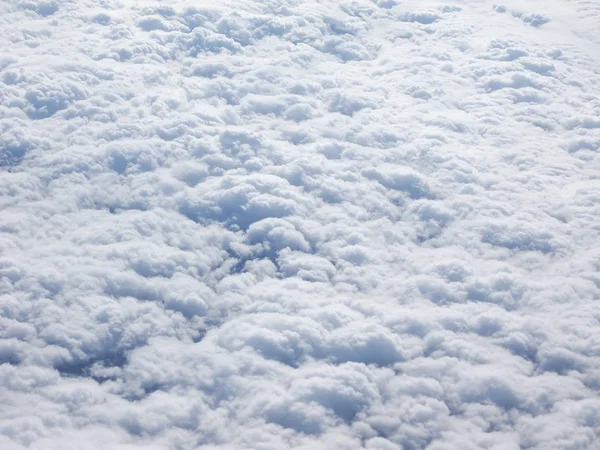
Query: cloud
x,y
299,224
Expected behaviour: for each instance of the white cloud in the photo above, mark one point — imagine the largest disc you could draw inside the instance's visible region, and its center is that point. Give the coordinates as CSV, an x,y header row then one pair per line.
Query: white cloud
x,y
299,224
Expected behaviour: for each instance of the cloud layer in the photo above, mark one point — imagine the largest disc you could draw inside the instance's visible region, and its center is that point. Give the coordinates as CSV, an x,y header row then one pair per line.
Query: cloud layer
x,y
299,225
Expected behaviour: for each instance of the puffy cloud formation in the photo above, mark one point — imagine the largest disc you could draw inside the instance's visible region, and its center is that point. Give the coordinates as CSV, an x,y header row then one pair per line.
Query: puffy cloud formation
x,y
287,224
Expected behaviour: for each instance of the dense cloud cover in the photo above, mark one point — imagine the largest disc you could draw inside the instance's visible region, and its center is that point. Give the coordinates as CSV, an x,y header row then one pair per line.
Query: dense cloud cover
x,y
289,224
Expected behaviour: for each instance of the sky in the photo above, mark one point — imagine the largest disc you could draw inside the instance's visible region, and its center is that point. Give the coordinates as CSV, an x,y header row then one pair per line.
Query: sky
x,y
299,224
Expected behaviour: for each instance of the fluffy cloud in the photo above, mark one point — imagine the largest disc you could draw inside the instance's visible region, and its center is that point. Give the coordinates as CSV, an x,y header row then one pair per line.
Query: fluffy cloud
x,y
299,224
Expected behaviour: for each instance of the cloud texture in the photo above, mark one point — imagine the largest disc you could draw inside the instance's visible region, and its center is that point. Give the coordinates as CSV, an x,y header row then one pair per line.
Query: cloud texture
x,y
287,224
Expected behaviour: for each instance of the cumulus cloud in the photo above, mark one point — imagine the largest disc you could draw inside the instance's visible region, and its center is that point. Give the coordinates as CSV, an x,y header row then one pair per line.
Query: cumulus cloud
x,y
299,224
